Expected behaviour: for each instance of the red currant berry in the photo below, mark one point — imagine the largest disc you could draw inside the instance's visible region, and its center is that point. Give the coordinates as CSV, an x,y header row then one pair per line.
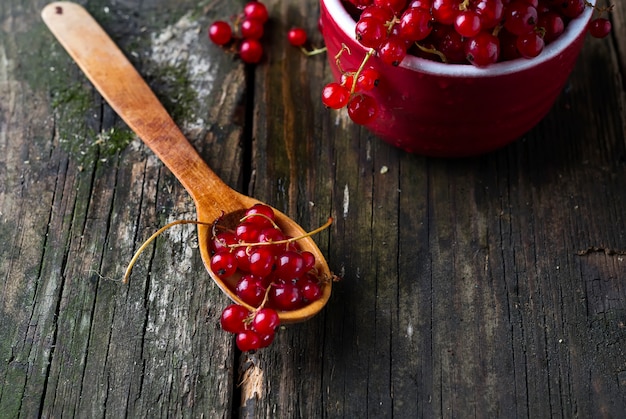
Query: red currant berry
x,y
490,12
309,260
362,109
289,265
260,214
250,289
243,259
467,23
420,4
445,11
297,37
370,32
415,24
248,340
335,96
571,8
599,27
347,80
251,28
250,51
266,340
271,235
220,32
256,10
520,17
383,14
530,44
222,240
368,79
248,232
265,321
310,289
483,49
233,318
552,24
392,51
261,261
395,5
285,296
224,263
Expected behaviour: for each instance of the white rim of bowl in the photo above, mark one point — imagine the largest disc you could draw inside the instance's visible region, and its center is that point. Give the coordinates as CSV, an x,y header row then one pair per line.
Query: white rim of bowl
x,y
573,29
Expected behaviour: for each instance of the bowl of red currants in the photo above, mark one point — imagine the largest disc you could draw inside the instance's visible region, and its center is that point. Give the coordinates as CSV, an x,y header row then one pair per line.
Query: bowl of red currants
x,y
452,78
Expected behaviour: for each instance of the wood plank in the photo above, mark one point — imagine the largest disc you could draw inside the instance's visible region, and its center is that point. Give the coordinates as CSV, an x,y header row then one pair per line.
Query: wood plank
x,y
77,341
481,287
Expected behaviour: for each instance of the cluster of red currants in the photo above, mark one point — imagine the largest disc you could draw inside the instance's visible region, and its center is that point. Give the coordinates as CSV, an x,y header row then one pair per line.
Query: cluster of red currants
x,y
480,32
351,93
272,274
245,33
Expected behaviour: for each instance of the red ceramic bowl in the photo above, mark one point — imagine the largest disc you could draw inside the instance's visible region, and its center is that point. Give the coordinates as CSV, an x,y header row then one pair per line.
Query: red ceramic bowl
x,y
456,110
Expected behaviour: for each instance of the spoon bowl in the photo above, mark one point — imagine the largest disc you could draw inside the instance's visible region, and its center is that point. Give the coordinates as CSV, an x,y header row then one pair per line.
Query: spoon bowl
x,y
128,94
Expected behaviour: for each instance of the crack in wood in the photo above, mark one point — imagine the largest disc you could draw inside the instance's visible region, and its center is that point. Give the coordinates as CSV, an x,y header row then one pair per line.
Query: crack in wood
x,y
601,249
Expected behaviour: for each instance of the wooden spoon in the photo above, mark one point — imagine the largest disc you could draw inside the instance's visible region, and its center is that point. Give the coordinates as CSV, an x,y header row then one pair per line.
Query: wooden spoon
x,y
133,100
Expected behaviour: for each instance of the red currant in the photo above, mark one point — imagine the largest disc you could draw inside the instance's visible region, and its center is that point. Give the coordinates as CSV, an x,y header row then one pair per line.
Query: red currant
x,y
370,32
392,51
265,321
368,79
285,296
261,261
571,8
248,232
251,28
250,289
222,241
248,340
445,11
552,24
415,24
490,12
520,17
251,51
467,23
220,32
260,214
382,14
256,10
599,27
530,44
233,318
224,263
289,265
297,37
483,49
335,96
362,109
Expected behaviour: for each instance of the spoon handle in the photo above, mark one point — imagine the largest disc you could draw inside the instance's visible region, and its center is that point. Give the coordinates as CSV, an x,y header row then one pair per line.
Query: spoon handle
x,y
128,94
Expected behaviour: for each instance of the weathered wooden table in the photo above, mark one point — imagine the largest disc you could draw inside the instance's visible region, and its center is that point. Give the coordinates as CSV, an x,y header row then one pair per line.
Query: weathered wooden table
x,y
483,287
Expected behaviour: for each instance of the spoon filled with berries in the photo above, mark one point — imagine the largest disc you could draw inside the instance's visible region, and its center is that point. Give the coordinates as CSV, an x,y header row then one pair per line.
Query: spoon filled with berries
x,y
263,260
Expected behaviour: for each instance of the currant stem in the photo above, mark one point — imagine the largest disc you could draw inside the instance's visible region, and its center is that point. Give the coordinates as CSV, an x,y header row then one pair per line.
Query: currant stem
x,y
360,69
259,215
344,47
314,51
435,51
151,239
286,241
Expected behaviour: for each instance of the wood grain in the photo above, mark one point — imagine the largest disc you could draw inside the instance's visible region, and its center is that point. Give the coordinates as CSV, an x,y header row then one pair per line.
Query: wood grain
x,y
482,287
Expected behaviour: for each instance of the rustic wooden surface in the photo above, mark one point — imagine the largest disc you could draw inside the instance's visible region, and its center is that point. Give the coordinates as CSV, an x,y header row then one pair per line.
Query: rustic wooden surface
x,y
484,287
